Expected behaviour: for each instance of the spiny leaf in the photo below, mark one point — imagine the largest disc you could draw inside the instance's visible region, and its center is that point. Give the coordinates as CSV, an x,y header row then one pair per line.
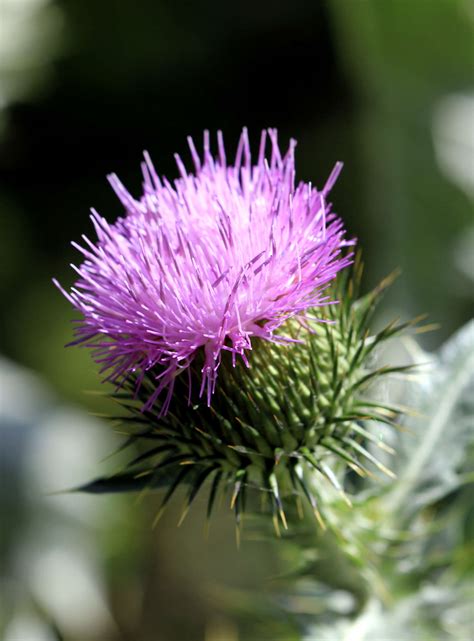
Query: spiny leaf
x,y
352,443
196,485
179,478
213,492
154,451
126,482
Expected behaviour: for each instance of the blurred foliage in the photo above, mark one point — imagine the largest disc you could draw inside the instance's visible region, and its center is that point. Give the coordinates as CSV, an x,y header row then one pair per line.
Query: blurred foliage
x,y
392,51
84,87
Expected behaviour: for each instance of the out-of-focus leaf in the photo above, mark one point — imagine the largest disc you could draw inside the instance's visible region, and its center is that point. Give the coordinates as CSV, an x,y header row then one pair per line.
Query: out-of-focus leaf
x,y
401,79
432,453
434,613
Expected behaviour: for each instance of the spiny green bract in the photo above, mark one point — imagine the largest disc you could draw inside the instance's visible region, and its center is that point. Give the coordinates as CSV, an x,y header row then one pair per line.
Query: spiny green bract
x,y
301,406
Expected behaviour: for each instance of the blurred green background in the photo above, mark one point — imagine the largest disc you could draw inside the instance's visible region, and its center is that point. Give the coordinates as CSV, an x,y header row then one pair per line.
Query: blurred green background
x,y
387,86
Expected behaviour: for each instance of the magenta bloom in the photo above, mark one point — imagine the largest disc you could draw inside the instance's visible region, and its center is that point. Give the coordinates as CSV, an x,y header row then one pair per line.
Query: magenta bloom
x,y
211,261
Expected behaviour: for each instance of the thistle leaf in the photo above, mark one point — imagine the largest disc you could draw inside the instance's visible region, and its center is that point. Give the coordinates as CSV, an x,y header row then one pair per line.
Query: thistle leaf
x,y
126,482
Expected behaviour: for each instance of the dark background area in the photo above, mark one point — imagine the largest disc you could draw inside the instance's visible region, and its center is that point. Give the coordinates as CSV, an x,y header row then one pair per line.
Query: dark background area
x,y
385,86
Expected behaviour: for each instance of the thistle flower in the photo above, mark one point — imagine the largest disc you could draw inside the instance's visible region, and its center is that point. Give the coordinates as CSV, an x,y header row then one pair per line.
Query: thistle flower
x,y
210,262
236,270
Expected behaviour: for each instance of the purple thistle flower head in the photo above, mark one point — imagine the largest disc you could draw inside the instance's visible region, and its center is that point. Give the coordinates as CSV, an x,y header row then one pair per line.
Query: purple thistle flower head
x,y
209,262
